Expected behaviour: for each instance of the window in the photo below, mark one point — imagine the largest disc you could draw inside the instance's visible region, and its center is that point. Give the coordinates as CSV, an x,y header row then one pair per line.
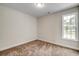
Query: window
x,y
70,27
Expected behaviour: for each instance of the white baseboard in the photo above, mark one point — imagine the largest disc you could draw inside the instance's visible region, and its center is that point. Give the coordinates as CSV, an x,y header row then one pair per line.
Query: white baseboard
x,y
11,46
1,49
59,44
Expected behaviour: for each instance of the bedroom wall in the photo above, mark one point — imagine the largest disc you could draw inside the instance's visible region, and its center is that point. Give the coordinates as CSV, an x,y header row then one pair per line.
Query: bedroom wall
x,y
49,29
16,28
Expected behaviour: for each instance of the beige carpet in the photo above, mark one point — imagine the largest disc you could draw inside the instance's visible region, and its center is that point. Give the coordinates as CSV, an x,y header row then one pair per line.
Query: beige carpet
x,y
39,48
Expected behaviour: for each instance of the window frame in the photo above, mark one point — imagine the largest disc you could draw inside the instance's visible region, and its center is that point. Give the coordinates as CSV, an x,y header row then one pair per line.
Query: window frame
x,y
77,23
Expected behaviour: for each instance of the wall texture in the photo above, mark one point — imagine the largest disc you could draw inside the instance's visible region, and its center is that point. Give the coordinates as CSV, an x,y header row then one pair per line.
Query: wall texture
x,y
16,28
49,29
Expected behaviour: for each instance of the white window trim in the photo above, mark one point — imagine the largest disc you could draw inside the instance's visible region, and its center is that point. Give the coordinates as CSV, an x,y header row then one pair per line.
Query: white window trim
x,y
77,23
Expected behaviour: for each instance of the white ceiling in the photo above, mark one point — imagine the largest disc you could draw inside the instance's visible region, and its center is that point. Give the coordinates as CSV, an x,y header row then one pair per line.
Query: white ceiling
x,y
30,9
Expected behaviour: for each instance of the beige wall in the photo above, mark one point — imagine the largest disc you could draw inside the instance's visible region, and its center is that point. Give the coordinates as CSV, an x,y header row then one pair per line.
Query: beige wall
x,y
16,28
49,29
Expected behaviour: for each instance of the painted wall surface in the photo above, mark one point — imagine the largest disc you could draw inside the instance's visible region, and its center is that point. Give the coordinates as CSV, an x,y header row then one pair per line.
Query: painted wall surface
x,y
49,29
16,28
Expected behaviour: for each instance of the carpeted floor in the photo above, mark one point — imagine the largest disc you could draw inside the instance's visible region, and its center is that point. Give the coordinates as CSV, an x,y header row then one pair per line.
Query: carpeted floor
x,y
39,48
